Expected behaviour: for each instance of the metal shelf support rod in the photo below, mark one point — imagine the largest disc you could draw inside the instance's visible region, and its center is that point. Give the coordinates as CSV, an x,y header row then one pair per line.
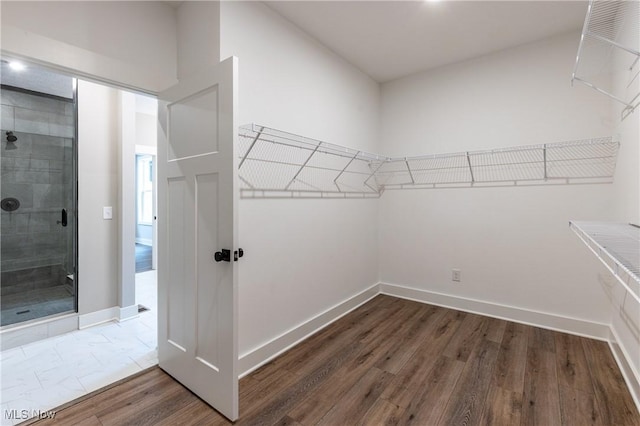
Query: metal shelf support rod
x,y
544,155
604,92
335,181
613,43
470,168
251,147
366,182
409,170
302,167
586,22
246,182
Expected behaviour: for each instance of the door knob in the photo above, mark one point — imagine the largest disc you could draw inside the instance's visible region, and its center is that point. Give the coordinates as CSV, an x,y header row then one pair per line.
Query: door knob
x,y
225,255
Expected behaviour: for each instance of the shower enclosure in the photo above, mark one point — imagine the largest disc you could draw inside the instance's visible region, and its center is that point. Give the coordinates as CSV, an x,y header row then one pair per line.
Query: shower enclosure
x,y
38,194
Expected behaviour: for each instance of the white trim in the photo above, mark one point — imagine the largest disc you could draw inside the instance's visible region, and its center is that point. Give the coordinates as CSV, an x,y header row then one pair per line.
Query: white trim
x,y
98,317
128,313
631,377
546,320
146,149
253,359
12,336
82,63
144,241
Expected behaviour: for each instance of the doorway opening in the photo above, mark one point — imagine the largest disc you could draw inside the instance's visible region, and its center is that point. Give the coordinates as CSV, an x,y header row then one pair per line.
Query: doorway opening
x,y
145,203
145,212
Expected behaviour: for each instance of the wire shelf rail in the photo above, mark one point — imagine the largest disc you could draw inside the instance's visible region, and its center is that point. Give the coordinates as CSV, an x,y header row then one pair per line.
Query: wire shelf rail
x,y
617,246
609,45
277,164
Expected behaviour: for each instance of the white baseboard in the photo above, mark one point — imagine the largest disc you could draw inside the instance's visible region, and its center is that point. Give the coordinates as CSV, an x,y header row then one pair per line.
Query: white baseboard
x,y
98,317
114,313
128,312
554,322
631,377
257,357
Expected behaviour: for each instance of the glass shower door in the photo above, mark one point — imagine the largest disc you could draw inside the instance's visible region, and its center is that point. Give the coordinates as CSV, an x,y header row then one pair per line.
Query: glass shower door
x,y
38,216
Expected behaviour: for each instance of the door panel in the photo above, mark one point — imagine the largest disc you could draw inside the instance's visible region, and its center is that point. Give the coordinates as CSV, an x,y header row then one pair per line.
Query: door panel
x,y
197,117
197,297
177,257
207,342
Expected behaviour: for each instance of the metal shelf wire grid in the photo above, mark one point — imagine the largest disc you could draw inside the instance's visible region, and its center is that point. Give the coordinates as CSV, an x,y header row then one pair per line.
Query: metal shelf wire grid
x,y
617,245
610,45
274,163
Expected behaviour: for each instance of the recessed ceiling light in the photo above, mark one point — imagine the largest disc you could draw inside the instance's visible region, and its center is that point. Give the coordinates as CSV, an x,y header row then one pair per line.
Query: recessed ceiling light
x,y
16,66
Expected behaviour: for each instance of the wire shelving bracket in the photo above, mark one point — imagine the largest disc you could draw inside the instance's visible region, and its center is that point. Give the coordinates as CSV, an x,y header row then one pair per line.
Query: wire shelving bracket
x,y
278,164
609,45
617,246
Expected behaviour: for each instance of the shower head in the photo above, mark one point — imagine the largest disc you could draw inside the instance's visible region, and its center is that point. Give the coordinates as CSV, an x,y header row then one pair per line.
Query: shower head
x,y
11,139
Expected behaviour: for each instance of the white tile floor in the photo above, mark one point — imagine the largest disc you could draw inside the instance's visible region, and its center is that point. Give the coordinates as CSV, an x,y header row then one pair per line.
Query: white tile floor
x,y
43,375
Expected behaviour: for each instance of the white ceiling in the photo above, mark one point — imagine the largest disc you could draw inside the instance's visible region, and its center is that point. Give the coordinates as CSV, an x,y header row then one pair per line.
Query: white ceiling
x,y
392,39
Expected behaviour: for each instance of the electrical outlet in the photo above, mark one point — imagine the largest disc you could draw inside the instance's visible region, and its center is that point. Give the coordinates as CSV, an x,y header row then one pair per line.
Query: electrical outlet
x,y
455,275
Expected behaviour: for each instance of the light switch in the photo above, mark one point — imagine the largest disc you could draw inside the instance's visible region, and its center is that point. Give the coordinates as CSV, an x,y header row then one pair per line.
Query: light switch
x,y
107,213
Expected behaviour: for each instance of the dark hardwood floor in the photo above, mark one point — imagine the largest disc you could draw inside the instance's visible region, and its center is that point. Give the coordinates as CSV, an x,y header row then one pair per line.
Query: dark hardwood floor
x,y
394,361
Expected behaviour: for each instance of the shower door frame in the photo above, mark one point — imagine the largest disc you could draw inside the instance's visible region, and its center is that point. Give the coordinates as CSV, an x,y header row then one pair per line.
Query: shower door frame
x,y
74,196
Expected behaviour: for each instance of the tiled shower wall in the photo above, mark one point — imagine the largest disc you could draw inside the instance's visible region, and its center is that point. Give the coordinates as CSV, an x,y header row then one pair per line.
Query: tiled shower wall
x,y
36,251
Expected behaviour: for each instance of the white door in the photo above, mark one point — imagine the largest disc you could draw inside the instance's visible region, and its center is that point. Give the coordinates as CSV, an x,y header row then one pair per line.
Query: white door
x,y
197,204
154,203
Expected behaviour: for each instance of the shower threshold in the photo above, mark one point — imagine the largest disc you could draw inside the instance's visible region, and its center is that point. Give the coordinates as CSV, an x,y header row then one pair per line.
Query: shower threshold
x,y
33,304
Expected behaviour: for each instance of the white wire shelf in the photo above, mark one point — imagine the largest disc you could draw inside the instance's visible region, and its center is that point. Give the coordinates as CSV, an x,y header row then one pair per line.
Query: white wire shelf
x,y
609,45
277,164
591,160
617,245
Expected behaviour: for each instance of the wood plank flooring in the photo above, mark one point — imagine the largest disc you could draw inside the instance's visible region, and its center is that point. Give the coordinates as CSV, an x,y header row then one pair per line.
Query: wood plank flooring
x,y
395,361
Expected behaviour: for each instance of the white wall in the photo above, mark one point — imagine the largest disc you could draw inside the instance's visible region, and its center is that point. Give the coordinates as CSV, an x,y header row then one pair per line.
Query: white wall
x,y
133,43
302,256
98,246
513,245
126,148
626,203
198,31
146,129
